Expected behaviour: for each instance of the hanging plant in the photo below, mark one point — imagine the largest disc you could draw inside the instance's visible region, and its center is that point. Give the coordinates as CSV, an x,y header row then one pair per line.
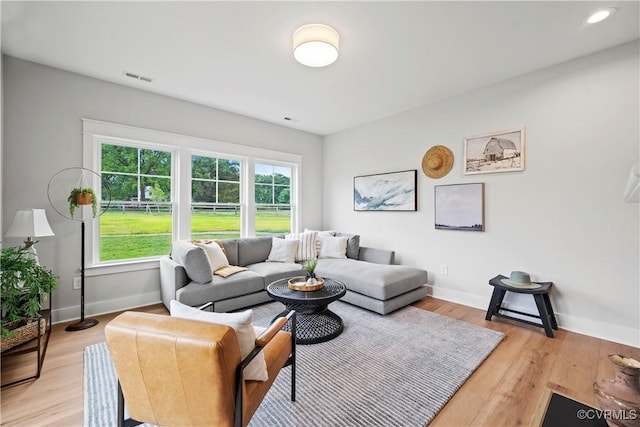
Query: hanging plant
x,y
82,196
25,285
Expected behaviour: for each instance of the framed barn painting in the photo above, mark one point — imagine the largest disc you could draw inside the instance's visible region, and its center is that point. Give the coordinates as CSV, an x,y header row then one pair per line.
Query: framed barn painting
x,y
393,191
459,207
495,152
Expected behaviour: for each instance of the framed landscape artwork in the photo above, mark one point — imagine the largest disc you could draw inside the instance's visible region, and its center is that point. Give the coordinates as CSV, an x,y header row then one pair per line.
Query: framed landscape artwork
x,y
495,152
393,191
459,207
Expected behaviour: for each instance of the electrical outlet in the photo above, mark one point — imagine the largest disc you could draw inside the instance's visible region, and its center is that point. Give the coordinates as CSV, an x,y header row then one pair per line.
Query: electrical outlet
x,y
76,283
444,269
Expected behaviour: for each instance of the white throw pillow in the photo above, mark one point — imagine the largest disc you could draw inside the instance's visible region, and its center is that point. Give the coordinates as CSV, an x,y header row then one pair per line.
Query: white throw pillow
x,y
333,247
242,324
282,250
306,244
321,235
217,258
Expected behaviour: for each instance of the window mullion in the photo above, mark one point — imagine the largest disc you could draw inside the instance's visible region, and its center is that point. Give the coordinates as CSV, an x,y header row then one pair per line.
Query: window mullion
x,y
183,208
217,180
294,201
248,199
138,174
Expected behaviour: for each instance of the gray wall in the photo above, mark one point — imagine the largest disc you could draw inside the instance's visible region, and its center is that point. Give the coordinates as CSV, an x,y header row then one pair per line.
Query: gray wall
x,y
42,135
563,219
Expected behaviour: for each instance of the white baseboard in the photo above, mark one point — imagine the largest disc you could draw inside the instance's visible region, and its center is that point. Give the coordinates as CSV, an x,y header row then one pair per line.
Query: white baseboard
x,y
475,301
580,325
605,331
594,328
102,307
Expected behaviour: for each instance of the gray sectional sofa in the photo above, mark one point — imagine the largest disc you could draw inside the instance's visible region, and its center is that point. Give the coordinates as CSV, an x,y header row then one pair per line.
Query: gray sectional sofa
x,y
373,281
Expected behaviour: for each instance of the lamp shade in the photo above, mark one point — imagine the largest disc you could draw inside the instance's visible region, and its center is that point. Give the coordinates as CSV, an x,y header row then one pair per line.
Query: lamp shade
x,y
30,223
316,45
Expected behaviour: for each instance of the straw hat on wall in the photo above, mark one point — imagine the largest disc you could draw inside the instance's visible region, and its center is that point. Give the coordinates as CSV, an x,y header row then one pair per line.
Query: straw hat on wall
x,y
437,161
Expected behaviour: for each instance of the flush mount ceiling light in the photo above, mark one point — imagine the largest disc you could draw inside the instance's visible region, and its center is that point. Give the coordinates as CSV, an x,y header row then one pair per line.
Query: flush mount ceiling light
x,y
601,15
315,45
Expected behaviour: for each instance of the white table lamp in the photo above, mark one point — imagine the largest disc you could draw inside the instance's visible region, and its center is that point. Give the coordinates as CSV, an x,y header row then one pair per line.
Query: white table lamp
x,y
30,223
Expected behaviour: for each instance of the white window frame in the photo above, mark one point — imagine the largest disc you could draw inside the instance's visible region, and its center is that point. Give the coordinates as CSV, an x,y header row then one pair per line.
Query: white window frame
x,y
294,196
182,148
243,165
95,242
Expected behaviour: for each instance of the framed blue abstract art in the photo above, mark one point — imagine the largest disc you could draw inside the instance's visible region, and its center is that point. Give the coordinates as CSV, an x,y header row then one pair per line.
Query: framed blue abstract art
x,y
393,191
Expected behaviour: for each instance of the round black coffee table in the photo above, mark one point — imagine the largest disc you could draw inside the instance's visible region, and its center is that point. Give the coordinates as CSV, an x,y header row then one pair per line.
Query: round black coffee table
x,y
314,321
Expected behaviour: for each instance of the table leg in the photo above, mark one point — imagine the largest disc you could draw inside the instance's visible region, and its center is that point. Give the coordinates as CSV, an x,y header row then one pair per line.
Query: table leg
x,y
544,314
547,303
313,326
496,301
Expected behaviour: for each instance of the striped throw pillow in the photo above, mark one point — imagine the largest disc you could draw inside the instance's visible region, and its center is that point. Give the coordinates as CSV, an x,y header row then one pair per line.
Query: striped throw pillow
x,y
306,244
321,234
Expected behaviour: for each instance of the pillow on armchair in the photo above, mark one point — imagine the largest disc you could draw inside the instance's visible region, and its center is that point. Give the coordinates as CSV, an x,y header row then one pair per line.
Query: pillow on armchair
x,y
242,324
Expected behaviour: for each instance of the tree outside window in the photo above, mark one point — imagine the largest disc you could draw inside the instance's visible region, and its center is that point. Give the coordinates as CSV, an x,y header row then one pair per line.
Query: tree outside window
x,y
158,182
138,223
215,198
272,186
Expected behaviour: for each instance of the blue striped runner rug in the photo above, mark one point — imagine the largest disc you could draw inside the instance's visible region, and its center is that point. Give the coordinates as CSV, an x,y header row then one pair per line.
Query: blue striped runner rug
x,y
393,370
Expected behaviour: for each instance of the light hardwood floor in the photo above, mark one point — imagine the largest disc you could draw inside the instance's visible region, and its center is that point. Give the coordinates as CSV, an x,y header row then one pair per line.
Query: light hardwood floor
x,y
504,391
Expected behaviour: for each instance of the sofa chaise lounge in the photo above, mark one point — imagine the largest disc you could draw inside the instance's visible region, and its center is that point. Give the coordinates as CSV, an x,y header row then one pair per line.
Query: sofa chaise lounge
x,y
372,279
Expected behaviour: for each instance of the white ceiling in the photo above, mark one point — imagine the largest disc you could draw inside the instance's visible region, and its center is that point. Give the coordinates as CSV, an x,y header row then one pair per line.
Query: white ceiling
x,y
237,56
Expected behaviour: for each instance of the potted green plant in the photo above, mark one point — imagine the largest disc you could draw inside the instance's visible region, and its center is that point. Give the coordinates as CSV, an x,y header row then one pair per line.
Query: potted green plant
x,y
310,268
25,285
82,196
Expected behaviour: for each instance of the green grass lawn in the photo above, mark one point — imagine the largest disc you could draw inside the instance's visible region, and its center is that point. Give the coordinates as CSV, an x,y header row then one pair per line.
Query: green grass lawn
x,y
125,235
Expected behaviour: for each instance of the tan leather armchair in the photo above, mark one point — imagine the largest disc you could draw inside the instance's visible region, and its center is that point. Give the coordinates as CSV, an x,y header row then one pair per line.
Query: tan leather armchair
x,y
175,371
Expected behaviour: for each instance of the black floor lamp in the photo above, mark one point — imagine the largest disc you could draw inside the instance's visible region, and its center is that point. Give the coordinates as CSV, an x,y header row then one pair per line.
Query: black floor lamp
x,y
77,193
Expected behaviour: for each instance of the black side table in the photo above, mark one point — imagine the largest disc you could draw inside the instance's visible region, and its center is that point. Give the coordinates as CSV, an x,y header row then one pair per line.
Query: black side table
x,y
540,296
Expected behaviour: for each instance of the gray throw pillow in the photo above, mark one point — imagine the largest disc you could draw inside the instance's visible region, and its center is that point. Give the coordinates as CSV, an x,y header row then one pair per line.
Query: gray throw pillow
x,y
253,250
194,259
353,245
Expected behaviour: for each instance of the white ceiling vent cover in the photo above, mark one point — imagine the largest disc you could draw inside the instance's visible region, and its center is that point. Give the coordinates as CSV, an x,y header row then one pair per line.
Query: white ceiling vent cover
x,y
137,76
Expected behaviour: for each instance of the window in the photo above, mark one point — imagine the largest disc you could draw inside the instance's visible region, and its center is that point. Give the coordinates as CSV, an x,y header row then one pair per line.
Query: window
x,y
272,198
138,222
166,187
215,198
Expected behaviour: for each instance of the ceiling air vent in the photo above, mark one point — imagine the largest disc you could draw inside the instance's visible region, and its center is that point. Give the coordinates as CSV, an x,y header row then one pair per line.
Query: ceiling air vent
x,y
137,76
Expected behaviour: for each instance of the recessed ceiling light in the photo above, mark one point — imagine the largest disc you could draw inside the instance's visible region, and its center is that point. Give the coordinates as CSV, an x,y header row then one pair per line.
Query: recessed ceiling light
x,y
601,15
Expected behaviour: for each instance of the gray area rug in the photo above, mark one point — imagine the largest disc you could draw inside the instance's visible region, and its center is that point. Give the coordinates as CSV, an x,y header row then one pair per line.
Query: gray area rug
x,y
393,370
